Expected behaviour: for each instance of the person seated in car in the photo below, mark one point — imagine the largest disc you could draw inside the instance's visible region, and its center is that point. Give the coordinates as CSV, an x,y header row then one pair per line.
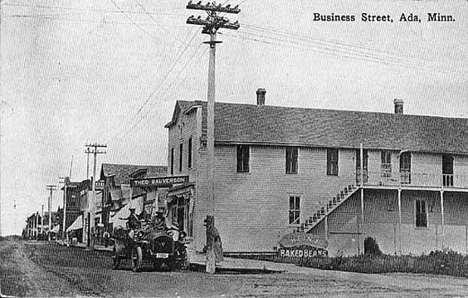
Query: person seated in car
x,y
132,222
159,221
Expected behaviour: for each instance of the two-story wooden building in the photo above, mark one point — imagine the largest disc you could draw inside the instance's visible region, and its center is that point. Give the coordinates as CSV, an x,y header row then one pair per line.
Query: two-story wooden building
x,y
279,170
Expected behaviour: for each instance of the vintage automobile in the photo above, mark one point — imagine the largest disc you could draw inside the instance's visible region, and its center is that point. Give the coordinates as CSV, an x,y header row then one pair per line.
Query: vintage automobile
x,y
157,246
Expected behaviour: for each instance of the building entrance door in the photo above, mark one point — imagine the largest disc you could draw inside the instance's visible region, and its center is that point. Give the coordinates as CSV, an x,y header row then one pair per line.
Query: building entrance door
x,y
447,170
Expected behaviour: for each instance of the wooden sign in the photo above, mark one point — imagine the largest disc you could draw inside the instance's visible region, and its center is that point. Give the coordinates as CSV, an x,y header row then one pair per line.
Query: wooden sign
x,y
158,181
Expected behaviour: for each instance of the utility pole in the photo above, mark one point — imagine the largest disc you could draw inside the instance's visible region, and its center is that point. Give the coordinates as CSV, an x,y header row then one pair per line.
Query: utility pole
x,y
88,152
42,221
65,181
211,25
51,188
91,207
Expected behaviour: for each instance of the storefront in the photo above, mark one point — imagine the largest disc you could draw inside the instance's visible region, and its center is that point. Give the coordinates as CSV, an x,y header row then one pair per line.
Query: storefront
x,y
180,206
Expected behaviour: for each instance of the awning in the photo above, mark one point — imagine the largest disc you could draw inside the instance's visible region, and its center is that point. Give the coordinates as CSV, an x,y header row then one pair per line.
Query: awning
x,y
185,191
77,224
125,212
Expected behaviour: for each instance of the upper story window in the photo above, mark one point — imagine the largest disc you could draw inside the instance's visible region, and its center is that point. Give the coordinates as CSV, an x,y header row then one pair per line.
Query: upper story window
x,y
365,173
189,155
181,154
447,170
291,160
294,210
243,157
405,167
332,162
421,214
386,165
172,161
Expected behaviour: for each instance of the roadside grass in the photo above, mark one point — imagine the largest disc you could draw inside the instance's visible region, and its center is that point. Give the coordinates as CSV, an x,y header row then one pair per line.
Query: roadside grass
x,y
437,262
11,275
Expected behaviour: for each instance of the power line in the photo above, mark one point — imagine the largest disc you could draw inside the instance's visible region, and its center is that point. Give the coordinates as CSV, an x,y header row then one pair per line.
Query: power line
x,y
148,112
154,21
354,50
46,17
326,42
344,53
159,85
87,9
131,20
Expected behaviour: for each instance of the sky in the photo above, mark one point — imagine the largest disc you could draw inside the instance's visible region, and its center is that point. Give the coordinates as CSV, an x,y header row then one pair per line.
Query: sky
x,y
110,72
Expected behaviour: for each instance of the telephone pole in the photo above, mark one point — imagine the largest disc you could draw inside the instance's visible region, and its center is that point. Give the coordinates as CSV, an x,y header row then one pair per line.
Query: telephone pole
x,y
50,188
65,181
92,206
42,222
211,25
88,152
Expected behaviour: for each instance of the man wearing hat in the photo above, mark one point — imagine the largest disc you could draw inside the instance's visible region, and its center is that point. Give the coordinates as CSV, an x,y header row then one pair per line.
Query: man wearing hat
x,y
159,221
132,220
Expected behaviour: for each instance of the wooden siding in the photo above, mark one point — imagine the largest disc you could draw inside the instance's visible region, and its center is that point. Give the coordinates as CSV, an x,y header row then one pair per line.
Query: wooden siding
x,y
460,171
251,209
382,222
254,206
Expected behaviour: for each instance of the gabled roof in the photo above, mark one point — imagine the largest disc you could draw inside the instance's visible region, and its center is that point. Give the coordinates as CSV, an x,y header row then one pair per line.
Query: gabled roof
x,y
121,172
285,126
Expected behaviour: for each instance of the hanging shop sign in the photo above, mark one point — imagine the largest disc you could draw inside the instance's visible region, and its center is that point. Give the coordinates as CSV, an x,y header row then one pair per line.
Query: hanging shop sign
x,y
159,181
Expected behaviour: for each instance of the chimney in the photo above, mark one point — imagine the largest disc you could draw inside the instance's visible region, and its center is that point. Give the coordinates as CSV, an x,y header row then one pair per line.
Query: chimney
x,y
398,106
261,97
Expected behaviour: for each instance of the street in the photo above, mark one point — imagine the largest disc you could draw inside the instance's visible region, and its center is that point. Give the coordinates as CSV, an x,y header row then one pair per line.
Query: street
x,y
30,268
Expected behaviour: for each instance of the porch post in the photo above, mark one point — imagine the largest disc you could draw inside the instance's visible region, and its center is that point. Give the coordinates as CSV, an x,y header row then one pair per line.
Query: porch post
x,y
326,227
361,153
399,221
442,217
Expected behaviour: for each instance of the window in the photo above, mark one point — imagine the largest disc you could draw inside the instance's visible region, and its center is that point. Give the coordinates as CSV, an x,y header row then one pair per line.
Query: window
x,y
405,167
291,160
294,210
172,161
181,153
421,214
447,170
365,173
386,166
243,156
332,162
189,149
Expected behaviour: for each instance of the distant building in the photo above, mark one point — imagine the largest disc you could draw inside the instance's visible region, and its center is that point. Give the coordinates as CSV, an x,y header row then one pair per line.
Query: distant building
x,y
34,228
281,170
72,197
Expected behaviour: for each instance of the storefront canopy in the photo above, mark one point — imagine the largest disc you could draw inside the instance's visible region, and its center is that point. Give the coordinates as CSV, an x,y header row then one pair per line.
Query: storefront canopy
x,y
125,212
56,229
77,224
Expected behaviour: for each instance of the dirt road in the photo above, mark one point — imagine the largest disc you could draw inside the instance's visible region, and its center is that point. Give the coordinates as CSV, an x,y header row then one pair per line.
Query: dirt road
x,y
41,269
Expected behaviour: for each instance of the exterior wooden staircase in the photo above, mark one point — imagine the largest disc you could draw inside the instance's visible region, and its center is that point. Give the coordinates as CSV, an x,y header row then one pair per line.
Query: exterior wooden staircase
x,y
324,211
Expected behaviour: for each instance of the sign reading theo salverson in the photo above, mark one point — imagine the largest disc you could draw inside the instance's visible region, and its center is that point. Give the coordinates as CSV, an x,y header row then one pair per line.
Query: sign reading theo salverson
x,y
302,245
159,181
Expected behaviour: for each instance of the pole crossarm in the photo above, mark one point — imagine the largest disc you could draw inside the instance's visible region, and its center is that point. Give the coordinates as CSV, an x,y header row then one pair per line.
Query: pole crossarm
x,y
213,7
213,22
96,145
